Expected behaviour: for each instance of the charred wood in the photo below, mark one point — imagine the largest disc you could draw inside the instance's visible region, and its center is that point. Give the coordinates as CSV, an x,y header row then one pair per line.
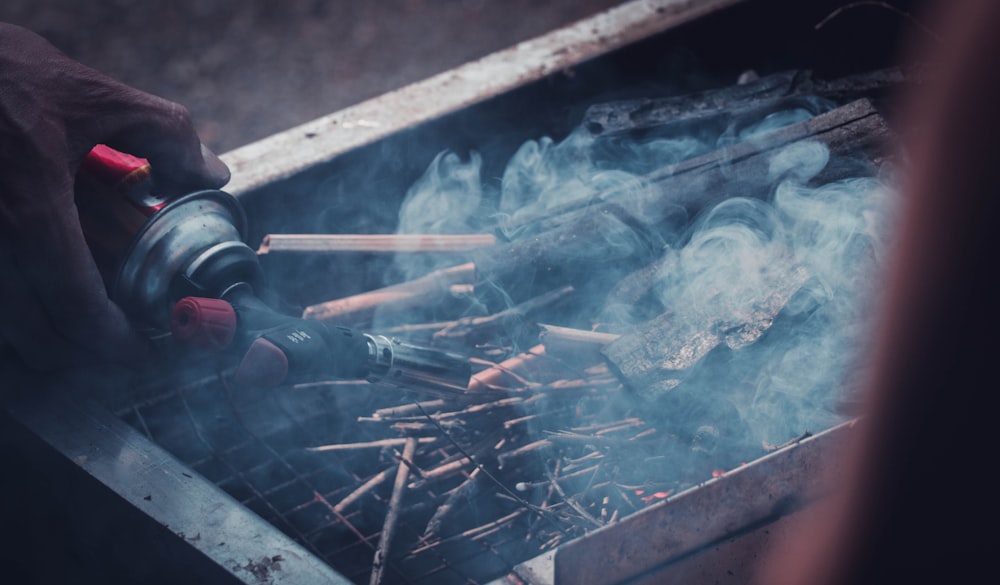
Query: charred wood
x,y
855,134
727,105
657,354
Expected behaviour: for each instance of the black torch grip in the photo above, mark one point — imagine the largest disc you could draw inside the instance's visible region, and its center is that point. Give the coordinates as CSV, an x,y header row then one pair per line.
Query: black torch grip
x,y
281,349
316,350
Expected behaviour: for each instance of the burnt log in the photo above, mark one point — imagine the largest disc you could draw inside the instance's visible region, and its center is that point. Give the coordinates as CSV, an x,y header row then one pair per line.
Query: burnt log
x,y
856,136
726,106
657,355
595,243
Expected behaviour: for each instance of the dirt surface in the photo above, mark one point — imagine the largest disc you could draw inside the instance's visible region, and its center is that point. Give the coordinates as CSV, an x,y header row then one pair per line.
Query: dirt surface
x,y
249,68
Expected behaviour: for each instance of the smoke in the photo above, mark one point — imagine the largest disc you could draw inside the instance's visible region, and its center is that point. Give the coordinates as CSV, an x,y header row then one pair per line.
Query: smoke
x,y
445,199
769,297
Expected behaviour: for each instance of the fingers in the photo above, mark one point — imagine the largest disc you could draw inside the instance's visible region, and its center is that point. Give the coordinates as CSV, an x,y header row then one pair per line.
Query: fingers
x,y
55,306
26,328
163,132
91,108
53,110
57,314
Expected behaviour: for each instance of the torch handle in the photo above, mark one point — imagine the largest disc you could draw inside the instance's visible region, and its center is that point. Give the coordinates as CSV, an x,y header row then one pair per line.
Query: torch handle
x,y
278,349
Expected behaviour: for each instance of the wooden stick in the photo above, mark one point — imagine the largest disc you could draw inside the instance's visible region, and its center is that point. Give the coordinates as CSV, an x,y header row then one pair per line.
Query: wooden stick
x,y
360,308
472,533
574,345
402,410
661,349
441,471
455,496
374,243
368,444
389,527
473,330
505,372
572,502
361,490
480,407
504,458
523,486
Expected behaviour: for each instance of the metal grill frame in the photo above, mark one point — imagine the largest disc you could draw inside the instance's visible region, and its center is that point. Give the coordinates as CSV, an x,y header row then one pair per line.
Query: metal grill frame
x,y
69,429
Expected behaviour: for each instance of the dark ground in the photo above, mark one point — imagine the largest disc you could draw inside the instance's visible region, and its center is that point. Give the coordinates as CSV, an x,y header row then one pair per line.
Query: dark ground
x,y
249,68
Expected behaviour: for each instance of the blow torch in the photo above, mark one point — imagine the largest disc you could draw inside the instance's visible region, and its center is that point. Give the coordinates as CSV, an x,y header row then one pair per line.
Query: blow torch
x,y
180,264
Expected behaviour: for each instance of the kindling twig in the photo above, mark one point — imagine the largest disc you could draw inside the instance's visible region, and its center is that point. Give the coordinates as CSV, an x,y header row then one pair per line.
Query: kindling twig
x,y
526,504
496,373
389,527
361,490
571,502
360,308
455,495
374,243
472,533
368,444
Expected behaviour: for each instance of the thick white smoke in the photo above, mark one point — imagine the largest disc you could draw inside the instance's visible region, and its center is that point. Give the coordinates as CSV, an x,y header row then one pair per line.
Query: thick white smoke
x,y
811,251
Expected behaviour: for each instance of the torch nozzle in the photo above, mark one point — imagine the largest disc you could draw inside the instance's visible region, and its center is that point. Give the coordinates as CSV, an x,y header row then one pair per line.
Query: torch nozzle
x,y
421,368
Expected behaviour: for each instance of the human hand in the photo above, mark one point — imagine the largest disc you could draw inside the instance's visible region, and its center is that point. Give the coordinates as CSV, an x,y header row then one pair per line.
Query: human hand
x,y
54,309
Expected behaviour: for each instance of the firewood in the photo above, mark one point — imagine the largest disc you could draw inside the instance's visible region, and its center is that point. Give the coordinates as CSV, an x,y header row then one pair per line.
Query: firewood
x,y
506,372
361,308
726,105
441,472
373,243
470,331
576,345
395,412
743,169
573,503
361,490
454,500
472,533
389,526
368,444
541,445
658,353
475,330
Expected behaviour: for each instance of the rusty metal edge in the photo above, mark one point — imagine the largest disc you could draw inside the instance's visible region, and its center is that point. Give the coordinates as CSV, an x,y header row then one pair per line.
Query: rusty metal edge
x,y
181,504
762,491
293,151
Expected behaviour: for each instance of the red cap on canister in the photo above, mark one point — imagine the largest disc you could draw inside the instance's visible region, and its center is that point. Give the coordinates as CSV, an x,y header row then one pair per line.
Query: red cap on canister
x,y
114,167
202,322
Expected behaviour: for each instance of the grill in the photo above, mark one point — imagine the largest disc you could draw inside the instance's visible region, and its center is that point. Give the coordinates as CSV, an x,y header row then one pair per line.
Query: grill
x,y
226,483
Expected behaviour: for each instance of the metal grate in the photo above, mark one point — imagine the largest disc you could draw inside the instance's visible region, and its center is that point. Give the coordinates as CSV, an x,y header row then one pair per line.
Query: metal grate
x,y
254,445
549,449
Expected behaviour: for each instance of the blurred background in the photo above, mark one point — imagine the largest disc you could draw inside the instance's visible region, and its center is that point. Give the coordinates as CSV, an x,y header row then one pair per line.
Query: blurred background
x,y
249,68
